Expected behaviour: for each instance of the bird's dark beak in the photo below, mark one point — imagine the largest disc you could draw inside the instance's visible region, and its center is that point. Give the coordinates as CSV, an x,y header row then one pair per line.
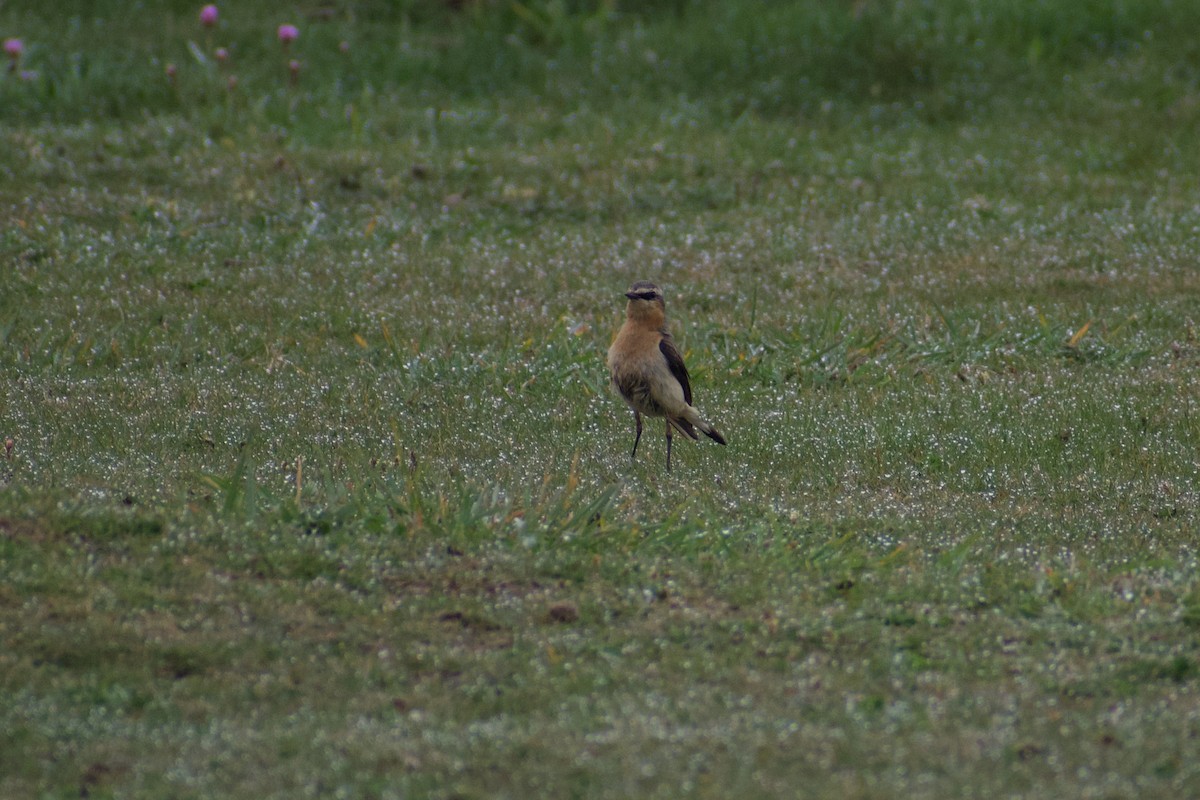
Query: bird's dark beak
x,y
631,295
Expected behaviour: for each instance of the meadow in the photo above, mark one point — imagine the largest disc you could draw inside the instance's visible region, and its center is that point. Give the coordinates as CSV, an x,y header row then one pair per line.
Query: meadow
x,y
313,484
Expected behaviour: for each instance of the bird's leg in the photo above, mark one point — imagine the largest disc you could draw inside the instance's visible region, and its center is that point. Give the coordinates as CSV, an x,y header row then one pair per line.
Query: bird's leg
x,y
669,435
637,418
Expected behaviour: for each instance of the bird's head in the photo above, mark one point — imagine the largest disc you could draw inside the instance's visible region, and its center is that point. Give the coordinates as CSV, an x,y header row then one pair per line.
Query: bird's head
x,y
646,303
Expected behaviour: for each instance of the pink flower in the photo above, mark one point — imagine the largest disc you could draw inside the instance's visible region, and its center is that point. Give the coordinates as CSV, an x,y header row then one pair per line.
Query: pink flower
x,y
172,71
294,71
221,54
208,16
288,34
14,48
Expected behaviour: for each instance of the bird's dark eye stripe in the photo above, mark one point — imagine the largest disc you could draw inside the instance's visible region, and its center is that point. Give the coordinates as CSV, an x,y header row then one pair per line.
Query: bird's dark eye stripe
x,y
646,295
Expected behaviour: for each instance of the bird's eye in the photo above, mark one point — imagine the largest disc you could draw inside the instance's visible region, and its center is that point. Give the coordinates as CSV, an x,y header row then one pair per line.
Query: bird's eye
x,y
646,295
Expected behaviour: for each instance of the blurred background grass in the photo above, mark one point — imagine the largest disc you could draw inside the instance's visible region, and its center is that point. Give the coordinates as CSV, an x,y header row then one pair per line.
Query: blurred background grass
x,y
940,60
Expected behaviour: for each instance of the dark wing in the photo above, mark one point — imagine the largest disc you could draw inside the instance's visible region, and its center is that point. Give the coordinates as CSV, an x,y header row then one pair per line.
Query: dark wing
x,y
675,362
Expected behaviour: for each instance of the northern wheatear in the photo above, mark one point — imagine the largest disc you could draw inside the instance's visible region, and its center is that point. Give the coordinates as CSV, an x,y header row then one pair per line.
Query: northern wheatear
x,y
648,371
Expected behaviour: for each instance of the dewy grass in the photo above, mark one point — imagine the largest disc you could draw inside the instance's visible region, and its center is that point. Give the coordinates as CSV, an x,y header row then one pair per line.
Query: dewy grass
x,y
316,487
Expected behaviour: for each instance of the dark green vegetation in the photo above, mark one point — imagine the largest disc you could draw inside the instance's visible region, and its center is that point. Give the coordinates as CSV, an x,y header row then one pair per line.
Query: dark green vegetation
x,y
316,487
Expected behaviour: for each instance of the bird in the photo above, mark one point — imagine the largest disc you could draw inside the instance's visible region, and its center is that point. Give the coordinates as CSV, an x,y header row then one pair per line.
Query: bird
x,y
648,371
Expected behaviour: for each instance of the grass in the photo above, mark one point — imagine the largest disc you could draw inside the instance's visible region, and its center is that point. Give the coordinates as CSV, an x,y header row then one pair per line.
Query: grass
x,y
316,486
